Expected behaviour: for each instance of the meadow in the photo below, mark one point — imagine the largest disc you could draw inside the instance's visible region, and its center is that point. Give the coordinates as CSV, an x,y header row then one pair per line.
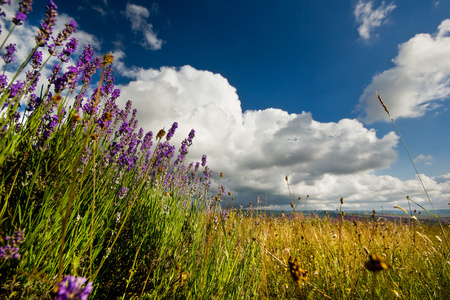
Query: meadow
x,y
93,207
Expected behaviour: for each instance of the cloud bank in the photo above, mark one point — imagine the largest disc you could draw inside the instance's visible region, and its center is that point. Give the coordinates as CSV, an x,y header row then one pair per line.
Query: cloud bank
x,y
417,83
257,149
369,18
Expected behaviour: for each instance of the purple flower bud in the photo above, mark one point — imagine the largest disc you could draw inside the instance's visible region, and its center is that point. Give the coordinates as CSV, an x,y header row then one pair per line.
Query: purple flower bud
x,y
69,49
171,131
46,29
3,82
36,60
11,250
16,89
24,9
65,33
8,56
71,287
122,193
203,160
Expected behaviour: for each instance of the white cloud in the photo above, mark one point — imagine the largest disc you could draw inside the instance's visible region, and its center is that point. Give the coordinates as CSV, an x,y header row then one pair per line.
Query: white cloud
x,y
424,158
370,18
257,149
138,15
417,83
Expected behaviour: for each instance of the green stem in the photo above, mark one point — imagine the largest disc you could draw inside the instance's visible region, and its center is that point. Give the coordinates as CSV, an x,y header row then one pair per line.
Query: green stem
x,y
74,179
6,38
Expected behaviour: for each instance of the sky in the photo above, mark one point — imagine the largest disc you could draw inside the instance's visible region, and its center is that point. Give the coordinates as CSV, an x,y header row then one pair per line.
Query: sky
x,y
285,88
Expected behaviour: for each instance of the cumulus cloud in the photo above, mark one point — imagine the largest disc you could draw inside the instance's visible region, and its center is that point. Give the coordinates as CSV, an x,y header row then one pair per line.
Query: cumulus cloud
x,y
257,149
419,81
138,16
370,18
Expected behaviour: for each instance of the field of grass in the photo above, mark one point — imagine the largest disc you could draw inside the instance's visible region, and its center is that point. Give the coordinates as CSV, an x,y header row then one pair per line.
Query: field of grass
x,y
93,207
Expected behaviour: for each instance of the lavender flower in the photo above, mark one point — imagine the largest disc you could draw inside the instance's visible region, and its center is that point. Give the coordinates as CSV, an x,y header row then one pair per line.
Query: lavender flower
x,y
108,82
16,89
71,287
46,29
11,250
68,79
221,190
69,49
115,94
171,131
3,82
203,160
33,103
32,79
8,56
36,60
65,33
24,9
122,193
184,148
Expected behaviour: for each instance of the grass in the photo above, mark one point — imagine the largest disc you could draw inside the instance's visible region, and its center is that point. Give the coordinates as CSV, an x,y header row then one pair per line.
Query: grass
x,y
91,206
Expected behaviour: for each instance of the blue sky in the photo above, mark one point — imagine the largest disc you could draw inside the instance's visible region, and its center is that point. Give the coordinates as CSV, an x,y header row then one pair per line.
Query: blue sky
x,y
276,88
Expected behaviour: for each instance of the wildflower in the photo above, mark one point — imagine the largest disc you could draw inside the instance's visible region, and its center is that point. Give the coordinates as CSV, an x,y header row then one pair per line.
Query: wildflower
x,y
184,147
8,56
11,250
16,89
46,29
203,160
171,131
376,263
122,193
3,81
65,33
69,49
24,9
71,287
221,190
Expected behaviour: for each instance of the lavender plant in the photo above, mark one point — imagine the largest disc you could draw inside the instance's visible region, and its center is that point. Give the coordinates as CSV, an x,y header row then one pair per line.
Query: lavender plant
x,y
91,188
